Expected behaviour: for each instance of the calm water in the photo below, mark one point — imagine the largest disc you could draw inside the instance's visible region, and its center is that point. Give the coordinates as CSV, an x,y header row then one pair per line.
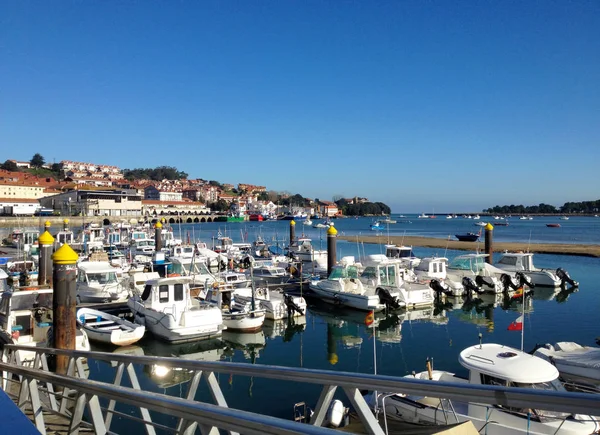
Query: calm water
x,y
328,339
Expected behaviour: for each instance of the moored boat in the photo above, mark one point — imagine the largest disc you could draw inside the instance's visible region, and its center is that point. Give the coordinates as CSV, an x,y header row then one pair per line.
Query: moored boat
x,y
106,328
575,363
468,237
489,364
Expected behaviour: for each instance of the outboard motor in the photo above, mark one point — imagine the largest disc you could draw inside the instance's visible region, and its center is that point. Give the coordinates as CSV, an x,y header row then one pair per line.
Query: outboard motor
x,y
507,282
564,277
439,287
387,299
485,281
524,280
470,286
291,305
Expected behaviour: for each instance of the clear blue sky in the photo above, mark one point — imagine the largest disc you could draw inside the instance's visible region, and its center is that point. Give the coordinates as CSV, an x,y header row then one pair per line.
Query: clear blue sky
x,y
424,105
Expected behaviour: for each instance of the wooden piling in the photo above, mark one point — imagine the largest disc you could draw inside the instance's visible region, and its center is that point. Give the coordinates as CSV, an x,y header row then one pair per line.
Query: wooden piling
x,y
46,242
489,243
158,236
292,231
64,303
331,248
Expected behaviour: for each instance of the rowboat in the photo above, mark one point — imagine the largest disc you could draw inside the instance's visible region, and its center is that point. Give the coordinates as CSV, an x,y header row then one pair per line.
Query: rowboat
x,y
106,328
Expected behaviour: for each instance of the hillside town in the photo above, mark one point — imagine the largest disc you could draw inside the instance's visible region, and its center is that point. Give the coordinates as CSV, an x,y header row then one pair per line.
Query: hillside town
x,y
92,189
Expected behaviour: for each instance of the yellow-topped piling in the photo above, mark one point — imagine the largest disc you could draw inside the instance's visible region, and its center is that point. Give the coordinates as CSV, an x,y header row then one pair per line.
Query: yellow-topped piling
x,y
46,242
331,248
292,231
158,236
64,303
489,244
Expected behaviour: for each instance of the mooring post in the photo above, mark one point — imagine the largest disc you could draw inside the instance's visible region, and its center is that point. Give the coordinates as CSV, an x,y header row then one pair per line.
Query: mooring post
x,y
158,236
66,225
292,231
46,242
489,243
331,248
64,303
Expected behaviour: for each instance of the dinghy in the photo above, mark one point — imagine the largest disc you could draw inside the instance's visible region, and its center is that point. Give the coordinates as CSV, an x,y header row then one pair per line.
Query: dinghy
x,y
575,363
106,328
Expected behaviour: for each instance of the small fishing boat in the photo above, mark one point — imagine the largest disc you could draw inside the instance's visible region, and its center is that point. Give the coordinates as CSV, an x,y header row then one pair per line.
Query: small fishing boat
x,y
468,237
106,328
564,218
553,225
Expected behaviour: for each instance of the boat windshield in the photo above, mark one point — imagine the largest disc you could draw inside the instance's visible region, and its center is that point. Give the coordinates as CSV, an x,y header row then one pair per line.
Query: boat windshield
x,y
344,272
473,264
102,277
509,261
24,300
554,385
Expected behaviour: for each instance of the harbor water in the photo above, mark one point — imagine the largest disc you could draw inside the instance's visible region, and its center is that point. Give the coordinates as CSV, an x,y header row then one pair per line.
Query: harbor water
x,y
400,343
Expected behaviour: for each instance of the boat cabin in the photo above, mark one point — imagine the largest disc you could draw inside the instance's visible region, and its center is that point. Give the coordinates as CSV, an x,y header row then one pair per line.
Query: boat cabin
x,y
167,295
495,364
114,238
432,267
517,261
64,236
26,315
142,247
138,235
3,281
184,251
404,253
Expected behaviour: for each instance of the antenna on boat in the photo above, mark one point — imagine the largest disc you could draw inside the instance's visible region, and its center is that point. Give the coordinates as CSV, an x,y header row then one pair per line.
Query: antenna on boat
x,y
480,338
529,241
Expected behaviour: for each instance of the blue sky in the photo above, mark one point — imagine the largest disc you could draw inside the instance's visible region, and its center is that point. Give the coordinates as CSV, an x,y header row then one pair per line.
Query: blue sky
x,y
423,105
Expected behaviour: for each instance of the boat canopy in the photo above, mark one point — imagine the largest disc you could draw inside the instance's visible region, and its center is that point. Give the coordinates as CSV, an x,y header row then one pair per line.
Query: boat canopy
x,y
507,364
344,272
472,262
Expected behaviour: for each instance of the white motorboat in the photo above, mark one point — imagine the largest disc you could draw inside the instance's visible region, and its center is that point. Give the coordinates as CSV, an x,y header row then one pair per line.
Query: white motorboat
x,y
236,316
26,318
269,274
346,285
303,250
136,281
106,328
434,268
404,253
423,216
481,224
391,276
387,221
523,262
233,279
575,363
169,312
97,281
564,218
277,304
490,364
483,275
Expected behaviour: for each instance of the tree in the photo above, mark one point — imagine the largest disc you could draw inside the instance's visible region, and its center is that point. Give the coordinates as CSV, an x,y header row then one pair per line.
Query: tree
x,y
37,160
10,165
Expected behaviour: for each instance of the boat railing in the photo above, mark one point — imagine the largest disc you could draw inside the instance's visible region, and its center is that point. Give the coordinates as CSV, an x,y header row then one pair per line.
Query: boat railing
x,y
34,386
482,359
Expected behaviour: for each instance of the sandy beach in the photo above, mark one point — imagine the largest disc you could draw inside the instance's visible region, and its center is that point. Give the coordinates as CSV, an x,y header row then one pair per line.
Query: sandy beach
x,y
429,242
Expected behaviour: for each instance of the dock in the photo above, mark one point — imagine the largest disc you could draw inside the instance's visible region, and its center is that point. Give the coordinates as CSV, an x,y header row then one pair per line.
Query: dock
x,y
431,242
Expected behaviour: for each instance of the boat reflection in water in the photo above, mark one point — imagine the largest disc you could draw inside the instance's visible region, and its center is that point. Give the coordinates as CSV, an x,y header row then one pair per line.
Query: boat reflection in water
x,y
164,375
249,343
286,328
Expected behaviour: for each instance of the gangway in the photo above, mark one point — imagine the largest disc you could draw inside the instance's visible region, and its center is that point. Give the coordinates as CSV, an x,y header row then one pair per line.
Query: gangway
x,y
70,396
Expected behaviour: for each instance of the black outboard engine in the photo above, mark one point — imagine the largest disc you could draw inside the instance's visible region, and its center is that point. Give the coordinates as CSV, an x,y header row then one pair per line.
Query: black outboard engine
x,y
291,305
387,299
485,281
564,277
507,282
524,280
470,286
439,287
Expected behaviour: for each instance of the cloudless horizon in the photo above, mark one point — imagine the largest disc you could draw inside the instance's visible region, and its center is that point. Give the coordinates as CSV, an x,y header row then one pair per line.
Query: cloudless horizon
x,y
425,106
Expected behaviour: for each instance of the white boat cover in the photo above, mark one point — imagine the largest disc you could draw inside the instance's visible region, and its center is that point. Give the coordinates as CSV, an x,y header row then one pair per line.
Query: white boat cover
x,y
572,354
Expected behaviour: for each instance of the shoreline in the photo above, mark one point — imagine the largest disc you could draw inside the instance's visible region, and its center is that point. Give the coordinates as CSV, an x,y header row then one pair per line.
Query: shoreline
x,y
431,242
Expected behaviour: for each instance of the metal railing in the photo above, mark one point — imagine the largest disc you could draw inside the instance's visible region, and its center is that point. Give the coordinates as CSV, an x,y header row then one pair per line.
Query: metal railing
x,y
79,393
